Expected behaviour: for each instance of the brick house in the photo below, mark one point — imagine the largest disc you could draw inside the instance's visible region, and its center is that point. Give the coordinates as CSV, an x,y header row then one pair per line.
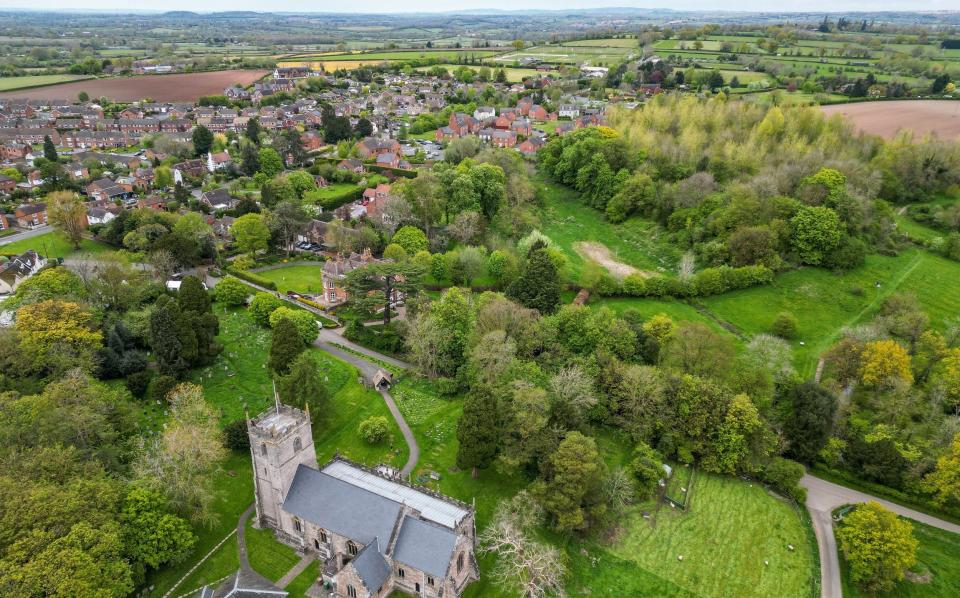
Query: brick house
x,y
374,532
31,215
370,147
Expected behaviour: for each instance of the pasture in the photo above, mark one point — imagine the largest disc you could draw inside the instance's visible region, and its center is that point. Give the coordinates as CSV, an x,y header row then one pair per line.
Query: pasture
x,y
11,83
824,302
177,87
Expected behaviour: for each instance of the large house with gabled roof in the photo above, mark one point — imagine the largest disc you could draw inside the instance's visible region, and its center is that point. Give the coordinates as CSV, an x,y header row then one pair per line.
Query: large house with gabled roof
x,y
374,532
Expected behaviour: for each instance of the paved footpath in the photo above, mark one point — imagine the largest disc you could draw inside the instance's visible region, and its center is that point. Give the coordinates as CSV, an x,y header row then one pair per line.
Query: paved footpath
x,y
822,498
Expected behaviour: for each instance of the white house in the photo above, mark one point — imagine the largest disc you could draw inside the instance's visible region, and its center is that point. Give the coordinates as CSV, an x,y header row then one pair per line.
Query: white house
x,y
18,269
484,112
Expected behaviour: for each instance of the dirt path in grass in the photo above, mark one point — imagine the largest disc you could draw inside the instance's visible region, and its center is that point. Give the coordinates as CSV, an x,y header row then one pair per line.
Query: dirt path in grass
x,y
600,253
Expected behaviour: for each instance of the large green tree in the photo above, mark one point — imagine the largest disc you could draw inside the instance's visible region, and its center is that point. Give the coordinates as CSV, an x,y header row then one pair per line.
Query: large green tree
x,y
878,546
285,347
373,287
304,385
809,423
202,140
478,431
538,286
571,492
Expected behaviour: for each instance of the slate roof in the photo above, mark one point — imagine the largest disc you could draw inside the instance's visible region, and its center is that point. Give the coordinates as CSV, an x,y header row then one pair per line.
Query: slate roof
x,y
371,566
243,584
340,507
425,546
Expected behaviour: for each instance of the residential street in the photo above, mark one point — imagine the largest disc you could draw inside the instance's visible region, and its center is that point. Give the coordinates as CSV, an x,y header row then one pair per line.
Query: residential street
x,y
822,498
27,234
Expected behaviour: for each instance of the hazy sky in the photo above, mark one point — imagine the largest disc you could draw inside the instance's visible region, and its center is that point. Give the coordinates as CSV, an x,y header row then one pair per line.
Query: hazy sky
x,y
428,5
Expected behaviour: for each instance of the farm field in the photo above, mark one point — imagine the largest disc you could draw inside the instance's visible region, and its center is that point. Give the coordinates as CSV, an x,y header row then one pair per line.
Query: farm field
x,y
299,278
571,54
936,556
941,117
10,83
178,87
514,75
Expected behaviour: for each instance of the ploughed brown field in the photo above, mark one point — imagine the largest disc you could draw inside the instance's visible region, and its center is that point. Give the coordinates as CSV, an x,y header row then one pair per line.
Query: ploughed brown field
x,y
941,117
177,87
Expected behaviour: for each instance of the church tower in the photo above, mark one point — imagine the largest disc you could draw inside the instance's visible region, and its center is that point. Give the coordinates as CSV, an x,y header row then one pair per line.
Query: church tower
x,y
281,439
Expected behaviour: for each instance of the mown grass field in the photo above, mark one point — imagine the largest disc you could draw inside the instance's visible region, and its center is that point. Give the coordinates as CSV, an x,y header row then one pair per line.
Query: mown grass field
x,y
937,556
53,245
636,242
731,528
300,278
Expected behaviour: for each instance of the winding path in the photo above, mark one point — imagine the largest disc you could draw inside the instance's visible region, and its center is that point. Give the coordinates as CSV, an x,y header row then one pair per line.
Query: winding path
x,y
822,498
327,341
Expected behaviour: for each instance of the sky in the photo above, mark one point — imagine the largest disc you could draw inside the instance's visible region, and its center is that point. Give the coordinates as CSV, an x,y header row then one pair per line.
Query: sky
x,y
355,6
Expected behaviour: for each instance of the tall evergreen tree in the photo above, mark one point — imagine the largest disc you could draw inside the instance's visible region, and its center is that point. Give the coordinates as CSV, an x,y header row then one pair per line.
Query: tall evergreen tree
x,y
193,297
50,150
286,346
810,421
253,130
202,140
165,337
250,159
304,385
539,285
478,431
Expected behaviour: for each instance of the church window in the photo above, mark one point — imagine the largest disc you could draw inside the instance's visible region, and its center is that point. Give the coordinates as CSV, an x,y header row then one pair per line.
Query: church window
x,y
323,537
351,592
316,543
352,549
401,573
460,562
297,526
297,445
417,588
430,581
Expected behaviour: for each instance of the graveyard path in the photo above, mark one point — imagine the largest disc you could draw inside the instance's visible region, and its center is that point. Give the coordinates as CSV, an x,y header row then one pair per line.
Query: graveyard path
x,y
368,370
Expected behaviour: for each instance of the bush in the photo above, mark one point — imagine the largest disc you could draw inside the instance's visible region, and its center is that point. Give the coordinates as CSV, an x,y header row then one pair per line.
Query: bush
x,y
784,476
231,291
304,321
710,281
138,382
235,436
252,277
374,430
262,306
785,325
160,387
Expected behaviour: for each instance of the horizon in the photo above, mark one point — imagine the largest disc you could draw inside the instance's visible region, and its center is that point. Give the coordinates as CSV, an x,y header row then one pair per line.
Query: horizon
x,y
498,6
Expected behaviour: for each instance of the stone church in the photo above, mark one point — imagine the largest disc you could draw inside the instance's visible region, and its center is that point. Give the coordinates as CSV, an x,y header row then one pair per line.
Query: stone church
x,y
374,532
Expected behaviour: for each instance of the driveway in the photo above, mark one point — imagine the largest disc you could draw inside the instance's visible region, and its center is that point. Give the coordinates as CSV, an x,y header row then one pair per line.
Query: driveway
x,y
822,498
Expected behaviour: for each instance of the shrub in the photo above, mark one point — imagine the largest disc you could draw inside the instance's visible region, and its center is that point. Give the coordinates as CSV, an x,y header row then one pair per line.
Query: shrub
x,y
411,238
785,325
160,387
374,430
262,306
254,278
304,321
138,382
235,436
784,476
231,291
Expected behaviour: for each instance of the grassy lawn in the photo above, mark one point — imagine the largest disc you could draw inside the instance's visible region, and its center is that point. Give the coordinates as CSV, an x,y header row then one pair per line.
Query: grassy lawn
x,y
53,245
731,527
300,278
678,310
637,242
726,534
936,556
223,563
301,583
824,303
916,231
268,557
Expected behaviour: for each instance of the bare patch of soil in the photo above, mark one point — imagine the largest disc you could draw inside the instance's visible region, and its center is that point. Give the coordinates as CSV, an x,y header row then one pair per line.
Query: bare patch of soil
x,y
600,253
